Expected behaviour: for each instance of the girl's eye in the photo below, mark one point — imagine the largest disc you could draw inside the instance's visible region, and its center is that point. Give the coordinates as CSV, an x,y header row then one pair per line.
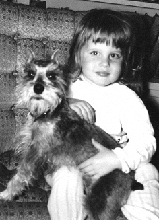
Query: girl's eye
x,y
115,55
95,53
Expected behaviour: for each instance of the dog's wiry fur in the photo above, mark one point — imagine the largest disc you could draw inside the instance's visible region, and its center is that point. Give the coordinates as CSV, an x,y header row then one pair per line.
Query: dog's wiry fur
x,y
55,136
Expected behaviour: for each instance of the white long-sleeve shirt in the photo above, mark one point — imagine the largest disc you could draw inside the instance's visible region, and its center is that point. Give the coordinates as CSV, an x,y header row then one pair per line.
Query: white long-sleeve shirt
x,y
118,108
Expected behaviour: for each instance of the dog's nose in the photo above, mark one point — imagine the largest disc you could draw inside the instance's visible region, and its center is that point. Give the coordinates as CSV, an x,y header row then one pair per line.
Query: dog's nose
x,y
38,88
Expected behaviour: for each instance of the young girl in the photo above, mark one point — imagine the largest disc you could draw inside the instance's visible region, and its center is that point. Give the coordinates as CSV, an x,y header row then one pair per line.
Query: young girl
x,y
99,63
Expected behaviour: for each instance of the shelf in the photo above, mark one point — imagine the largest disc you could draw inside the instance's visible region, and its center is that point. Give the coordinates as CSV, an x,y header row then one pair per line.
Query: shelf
x,y
130,3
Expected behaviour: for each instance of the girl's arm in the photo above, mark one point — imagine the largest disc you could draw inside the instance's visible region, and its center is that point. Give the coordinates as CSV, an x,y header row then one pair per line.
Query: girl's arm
x,y
136,123
83,109
106,160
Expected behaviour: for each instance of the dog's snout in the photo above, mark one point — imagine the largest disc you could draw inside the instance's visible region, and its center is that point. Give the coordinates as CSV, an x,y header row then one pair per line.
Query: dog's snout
x,y
38,88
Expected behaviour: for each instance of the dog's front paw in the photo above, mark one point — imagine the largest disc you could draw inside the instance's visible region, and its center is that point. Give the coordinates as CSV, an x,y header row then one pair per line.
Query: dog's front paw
x,y
5,195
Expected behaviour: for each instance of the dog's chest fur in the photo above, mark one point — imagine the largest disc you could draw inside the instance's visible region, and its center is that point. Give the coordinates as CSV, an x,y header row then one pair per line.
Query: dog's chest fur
x,y
57,140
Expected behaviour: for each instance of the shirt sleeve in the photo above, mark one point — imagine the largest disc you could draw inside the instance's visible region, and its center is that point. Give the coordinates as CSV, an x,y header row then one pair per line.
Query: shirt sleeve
x,y
136,123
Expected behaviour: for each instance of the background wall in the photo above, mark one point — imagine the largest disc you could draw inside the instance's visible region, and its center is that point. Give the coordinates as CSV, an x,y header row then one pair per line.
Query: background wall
x,y
140,7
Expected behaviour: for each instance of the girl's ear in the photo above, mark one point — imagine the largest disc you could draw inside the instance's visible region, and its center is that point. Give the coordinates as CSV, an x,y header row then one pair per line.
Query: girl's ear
x,y
76,59
54,57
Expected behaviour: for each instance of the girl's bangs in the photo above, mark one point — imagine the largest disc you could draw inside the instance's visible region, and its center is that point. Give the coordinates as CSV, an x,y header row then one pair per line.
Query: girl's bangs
x,y
115,38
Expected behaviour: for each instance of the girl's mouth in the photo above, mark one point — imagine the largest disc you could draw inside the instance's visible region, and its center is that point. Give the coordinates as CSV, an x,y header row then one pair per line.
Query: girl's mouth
x,y
103,73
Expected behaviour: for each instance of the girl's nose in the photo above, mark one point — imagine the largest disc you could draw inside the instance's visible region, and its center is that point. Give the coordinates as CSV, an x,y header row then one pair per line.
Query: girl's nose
x,y
104,61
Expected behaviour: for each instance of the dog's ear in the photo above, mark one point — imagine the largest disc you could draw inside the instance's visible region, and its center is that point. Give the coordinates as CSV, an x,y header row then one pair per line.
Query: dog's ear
x,y
54,57
30,55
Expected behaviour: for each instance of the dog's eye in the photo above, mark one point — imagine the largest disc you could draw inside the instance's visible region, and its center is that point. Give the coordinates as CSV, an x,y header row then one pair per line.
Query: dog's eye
x,y
30,74
51,75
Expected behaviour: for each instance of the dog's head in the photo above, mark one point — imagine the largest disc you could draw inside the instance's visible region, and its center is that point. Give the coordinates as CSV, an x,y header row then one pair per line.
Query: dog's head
x,y
42,86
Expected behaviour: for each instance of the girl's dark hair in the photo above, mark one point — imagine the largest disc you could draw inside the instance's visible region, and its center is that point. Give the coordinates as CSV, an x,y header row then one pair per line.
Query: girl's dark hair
x,y
103,25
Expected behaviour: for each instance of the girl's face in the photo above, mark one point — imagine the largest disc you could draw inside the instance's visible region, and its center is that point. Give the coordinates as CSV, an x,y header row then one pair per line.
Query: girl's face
x,y
101,63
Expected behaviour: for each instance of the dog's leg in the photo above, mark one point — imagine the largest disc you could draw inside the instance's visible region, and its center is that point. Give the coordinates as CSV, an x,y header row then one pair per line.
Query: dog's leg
x,y
66,198
108,195
17,184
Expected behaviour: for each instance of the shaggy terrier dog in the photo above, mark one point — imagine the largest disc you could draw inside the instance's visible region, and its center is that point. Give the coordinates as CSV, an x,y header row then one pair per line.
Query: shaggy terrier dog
x,y
54,136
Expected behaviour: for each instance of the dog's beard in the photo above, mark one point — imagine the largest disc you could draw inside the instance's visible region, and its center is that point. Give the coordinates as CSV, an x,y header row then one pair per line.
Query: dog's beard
x,y
38,104
38,107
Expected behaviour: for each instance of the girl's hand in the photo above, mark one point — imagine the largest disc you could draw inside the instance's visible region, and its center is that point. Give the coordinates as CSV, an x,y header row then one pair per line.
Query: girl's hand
x,y
102,163
83,109
121,138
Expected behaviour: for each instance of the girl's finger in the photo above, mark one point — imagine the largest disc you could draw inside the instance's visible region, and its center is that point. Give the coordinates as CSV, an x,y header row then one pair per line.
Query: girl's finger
x,y
78,110
91,114
95,177
88,112
48,179
90,172
85,164
97,145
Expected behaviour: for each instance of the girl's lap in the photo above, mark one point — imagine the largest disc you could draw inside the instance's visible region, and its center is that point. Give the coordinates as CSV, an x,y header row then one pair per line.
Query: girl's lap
x,y
144,204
